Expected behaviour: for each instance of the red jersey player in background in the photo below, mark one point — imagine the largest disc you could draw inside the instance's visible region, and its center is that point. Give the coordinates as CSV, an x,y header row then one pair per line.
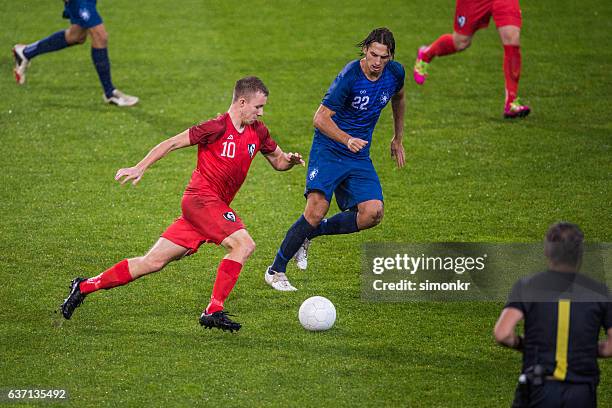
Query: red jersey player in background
x,y
471,16
226,148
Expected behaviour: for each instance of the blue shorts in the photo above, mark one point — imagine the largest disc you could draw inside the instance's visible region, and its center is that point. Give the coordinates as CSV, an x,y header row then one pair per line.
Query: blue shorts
x,y
353,180
82,13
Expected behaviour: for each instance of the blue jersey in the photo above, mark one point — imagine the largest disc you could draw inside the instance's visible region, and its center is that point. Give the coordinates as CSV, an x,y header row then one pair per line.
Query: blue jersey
x,y
358,102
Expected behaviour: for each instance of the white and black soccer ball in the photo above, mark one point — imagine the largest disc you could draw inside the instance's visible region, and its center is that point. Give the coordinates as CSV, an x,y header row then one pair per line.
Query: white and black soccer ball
x,y
317,314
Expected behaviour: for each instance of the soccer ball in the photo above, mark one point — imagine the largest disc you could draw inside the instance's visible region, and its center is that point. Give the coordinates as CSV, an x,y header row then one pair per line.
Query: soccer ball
x,y
317,313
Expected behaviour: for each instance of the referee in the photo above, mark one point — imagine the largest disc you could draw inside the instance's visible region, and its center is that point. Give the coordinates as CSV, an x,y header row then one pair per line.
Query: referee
x,y
563,312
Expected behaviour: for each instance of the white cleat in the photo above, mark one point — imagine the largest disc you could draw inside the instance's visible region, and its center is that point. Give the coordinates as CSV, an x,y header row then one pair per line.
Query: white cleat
x,y
121,99
21,64
301,256
278,281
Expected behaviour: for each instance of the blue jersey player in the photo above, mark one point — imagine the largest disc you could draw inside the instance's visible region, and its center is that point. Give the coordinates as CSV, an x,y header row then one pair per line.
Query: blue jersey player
x,y
84,20
340,161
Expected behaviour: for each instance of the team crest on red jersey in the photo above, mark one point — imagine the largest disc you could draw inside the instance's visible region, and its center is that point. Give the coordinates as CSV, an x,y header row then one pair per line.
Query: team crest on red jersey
x,y
251,147
229,216
461,21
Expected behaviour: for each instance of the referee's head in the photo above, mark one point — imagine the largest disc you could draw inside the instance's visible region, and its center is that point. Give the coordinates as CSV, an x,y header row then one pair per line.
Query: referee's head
x,y
563,247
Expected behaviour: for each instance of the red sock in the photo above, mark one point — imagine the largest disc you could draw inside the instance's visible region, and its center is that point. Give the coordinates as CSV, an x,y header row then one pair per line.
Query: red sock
x,y
116,275
442,46
512,71
227,275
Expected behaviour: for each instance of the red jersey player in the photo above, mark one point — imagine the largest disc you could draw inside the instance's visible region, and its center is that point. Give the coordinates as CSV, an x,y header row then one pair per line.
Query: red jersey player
x,y
226,148
471,16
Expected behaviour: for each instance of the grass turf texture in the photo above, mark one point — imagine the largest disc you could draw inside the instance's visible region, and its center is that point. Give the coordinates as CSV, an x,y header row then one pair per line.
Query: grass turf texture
x,y
471,176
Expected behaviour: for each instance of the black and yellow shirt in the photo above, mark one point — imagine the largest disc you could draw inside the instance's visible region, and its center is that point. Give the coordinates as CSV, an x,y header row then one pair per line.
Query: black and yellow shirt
x,y
563,314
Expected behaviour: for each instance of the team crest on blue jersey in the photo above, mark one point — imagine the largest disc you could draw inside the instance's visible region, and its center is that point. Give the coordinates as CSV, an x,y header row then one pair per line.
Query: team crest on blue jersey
x,y
251,147
313,173
384,98
84,14
229,216
461,21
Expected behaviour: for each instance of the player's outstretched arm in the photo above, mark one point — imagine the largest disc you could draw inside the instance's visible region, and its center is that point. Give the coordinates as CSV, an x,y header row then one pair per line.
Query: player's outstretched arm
x,y
135,173
504,331
282,161
323,121
398,104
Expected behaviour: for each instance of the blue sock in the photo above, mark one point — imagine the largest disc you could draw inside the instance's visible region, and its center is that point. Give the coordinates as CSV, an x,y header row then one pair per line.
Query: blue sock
x,y
341,223
102,64
292,242
54,42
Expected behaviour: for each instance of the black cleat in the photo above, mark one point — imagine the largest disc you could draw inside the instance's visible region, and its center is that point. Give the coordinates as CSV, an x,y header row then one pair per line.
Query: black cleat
x,y
220,320
74,299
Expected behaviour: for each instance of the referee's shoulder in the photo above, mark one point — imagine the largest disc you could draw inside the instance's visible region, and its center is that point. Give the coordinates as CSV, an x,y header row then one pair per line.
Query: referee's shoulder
x,y
535,279
593,285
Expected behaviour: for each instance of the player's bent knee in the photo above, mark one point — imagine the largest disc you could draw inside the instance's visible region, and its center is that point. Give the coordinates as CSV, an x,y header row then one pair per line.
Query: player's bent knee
x,y
461,42
315,214
75,38
510,35
511,40
375,217
241,253
378,216
370,216
316,208
145,265
248,248
241,245
99,37
463,45
100,43
314,218
78,40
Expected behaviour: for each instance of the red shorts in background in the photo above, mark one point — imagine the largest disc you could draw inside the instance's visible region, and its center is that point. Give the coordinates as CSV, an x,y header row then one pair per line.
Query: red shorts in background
x,y
472,15
204,219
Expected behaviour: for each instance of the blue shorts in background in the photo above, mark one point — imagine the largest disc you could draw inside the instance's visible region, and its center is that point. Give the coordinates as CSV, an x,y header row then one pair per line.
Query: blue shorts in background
x,y
352,180
82,13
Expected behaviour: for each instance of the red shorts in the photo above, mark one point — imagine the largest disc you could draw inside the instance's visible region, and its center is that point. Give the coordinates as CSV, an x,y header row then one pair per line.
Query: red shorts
x,y
472,15
204,219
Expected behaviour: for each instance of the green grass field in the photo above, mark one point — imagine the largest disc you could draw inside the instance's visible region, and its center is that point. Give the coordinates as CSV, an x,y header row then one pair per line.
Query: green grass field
x,y
471,176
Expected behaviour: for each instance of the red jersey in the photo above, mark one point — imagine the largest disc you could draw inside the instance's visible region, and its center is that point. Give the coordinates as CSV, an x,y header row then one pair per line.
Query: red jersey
x,y
225,155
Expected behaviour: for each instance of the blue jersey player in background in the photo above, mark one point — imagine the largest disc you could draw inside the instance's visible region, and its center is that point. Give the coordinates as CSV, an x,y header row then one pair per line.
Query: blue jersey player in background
x,y
84,20
339,160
